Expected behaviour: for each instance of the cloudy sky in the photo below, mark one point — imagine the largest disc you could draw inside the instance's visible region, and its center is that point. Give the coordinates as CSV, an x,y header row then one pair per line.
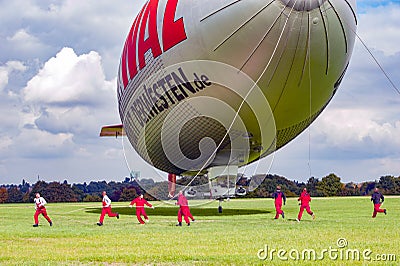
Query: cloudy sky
x,y
58,66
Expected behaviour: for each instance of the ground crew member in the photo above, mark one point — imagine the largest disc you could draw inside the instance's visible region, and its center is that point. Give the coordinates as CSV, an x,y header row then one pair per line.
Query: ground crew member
x,y
279,196
140,202
183,209
40,209
377,198
304,199
106,209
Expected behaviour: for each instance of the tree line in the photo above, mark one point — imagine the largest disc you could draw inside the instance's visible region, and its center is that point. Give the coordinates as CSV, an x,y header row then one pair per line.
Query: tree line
x,y
327,186
128,189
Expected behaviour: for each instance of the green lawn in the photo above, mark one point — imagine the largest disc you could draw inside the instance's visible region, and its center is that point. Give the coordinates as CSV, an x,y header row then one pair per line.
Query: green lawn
x,y
238,236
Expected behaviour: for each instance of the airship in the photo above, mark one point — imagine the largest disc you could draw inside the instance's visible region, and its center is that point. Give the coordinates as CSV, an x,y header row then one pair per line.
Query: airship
x,y
208,87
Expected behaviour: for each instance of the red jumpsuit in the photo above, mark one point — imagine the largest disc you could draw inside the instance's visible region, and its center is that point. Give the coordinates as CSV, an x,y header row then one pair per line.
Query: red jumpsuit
x,y
304,199
40,209
184,209
140,202
376,199
107,209
279,196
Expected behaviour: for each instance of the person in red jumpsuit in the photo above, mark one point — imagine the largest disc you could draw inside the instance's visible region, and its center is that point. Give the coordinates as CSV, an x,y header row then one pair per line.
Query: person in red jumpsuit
x,y
40,209
304,199
279,196
140,202
106,209
183,209
377,198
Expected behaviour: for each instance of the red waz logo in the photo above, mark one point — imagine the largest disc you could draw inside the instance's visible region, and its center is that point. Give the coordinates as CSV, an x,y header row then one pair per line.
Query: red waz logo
x,y
136,46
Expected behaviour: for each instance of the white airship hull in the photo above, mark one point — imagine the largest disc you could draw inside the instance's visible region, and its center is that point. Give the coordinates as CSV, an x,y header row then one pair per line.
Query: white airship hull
x,y
210,83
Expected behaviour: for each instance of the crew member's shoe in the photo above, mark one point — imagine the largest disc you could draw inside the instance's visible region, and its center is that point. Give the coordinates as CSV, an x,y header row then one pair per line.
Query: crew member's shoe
x,y
283,215
313,216
99,224
35,225
117,215
297,219
179,224
384,211
146,220
188,224
51,223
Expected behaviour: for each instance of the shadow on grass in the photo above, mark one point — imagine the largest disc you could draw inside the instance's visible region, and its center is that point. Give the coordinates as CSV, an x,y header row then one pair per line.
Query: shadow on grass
x,y
302,221
169,211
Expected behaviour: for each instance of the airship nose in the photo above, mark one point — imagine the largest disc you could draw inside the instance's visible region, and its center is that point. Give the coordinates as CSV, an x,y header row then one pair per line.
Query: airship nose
x,y
303,5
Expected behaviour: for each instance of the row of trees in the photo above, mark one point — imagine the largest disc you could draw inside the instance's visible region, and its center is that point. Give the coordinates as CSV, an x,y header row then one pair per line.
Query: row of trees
x,y
64,192
127,190
328,186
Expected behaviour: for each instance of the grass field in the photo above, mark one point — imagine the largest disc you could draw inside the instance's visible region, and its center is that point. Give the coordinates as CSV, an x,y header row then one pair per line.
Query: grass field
x,y
238,236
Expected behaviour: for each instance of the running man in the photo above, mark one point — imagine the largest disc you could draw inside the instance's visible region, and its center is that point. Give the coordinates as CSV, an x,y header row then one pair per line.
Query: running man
x,y
140,202
183,210
304,199
377,198
279,196
40,209
106,209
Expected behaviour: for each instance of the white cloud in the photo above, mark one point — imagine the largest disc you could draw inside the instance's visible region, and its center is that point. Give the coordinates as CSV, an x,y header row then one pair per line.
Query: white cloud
x,y
359,132
25,43
22,37
379,28
77,120
42,28
5,143
68,79
6,69
41,144
59,105
70,95
113,154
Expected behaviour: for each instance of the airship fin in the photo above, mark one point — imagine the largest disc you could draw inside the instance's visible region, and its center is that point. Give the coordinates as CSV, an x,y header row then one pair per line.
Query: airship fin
x,y
111,131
